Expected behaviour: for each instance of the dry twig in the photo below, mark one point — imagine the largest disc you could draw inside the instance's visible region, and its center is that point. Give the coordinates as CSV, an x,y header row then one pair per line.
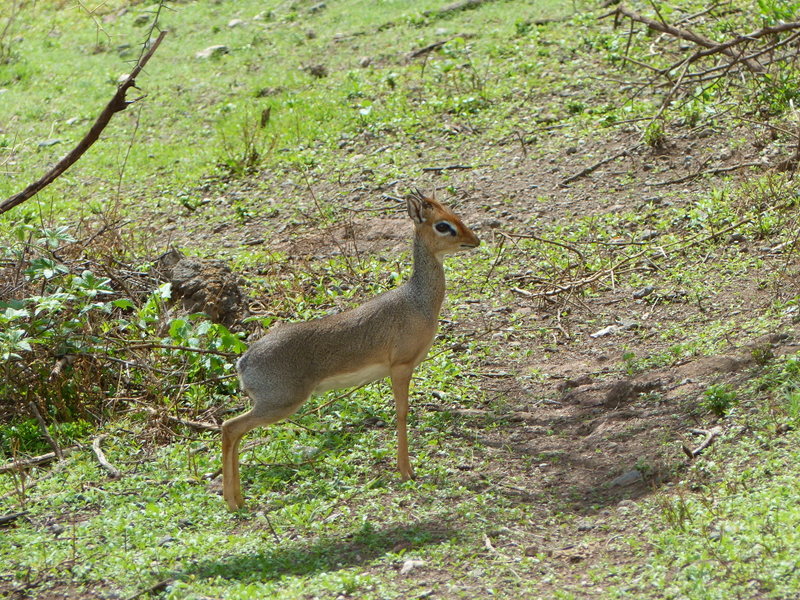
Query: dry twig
x,y
711,435
113,471
593,167
6,520
701,172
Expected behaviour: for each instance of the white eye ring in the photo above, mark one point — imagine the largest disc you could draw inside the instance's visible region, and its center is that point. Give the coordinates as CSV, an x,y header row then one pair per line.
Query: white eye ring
x,y
445,228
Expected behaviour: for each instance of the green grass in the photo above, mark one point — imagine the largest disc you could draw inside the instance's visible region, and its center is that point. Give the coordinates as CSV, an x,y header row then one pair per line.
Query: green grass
x,y
199,114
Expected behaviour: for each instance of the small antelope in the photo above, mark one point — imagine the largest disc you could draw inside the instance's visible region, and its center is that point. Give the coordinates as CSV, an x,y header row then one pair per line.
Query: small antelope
x,y
387,336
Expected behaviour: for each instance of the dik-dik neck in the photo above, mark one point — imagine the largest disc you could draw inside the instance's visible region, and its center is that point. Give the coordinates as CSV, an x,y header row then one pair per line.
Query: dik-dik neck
x,y
427,282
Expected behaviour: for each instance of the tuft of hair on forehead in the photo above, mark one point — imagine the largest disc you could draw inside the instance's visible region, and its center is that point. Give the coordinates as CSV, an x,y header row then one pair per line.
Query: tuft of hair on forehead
x,y
420,205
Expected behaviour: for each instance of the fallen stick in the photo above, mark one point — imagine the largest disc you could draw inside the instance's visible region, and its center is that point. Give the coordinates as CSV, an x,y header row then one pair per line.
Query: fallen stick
x,y
158,586
10,518
113,471
429,48
595,166
714,171
34,461
461,5
711,435
448,168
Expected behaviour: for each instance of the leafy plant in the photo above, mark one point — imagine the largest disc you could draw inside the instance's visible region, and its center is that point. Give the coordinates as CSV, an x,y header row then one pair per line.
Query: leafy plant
x,y
654,134
718,399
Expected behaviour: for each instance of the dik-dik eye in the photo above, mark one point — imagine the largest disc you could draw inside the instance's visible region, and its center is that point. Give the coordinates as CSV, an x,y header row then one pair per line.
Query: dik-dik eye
x,y
444,227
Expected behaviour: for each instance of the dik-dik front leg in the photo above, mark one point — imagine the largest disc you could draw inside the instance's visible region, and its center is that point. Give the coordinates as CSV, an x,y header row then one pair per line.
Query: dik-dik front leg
x,y
401,378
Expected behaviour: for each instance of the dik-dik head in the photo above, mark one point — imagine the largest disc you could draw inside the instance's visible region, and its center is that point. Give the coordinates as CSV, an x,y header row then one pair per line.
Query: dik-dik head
x,y
439,228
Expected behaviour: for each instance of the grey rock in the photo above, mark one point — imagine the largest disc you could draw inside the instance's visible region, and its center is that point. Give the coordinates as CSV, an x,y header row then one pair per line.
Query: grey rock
x,y
411,564
626,479
585,525
737,238
643,292
213,52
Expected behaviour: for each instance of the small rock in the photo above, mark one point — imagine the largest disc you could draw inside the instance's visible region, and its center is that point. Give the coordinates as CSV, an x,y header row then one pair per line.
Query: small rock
x,y
737,238
364,61
604,331
317,7
141,20
213,52
643,292
585,525
166,540
236,23
56,529
531,551
627,479
50,142
411,564
318,71
649,234
629,324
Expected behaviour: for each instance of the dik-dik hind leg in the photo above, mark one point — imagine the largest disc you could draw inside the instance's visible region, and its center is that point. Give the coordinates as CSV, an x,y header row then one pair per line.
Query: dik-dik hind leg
x,y
232,432
401,378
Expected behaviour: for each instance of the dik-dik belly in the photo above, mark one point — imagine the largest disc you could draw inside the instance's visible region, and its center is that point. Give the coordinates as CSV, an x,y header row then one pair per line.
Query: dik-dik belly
x,y
352,378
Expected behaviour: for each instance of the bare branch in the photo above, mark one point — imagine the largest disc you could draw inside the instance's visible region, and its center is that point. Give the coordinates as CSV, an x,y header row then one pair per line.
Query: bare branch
x,y
118,103
689,35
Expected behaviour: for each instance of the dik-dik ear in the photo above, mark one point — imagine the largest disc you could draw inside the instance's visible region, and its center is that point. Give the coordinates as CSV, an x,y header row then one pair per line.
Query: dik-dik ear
x,y
419,207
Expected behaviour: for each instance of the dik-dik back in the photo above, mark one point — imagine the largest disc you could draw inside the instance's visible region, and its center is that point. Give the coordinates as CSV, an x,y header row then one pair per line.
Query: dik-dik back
x,y
387,336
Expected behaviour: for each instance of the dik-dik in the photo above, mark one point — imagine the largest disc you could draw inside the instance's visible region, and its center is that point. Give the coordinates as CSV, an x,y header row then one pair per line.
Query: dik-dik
x,y
387,336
